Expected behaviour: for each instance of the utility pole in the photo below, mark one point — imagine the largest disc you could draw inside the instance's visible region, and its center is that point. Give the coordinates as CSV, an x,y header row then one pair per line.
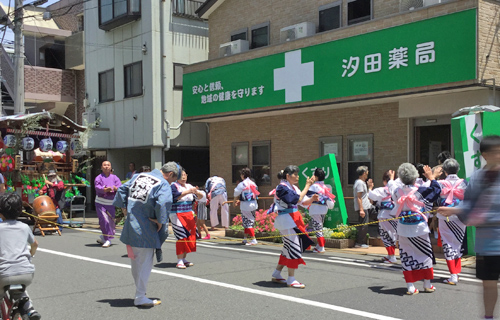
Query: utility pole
x,y
19,59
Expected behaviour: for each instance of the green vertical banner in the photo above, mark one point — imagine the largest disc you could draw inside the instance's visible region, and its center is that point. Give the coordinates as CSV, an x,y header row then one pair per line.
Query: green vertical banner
x,y
468,131
328,163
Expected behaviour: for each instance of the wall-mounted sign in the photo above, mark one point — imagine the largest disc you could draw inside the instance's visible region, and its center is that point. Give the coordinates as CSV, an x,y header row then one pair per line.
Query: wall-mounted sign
x,y
422,53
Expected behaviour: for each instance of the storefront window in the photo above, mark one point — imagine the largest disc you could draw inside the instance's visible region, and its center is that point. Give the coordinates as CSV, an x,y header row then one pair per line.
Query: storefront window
x,y
240,159
332,145
360,153
261,162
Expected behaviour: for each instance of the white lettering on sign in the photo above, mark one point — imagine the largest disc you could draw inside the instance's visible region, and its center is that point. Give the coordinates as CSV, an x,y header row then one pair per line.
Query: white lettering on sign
x,y
304,172
373,63
425,53
353,64
398,58
224,95
293,76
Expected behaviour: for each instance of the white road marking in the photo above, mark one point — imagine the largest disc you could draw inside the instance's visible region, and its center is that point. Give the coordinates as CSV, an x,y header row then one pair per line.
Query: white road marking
x,y
337,260
312,303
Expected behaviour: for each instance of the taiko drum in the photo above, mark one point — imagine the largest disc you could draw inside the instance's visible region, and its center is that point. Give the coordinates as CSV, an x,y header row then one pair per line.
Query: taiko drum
x,y
43,205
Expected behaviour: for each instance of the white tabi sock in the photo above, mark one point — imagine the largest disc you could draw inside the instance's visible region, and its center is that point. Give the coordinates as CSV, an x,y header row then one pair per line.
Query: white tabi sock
x,y
411,287
277,274
180,261
290,280
454,277
427,283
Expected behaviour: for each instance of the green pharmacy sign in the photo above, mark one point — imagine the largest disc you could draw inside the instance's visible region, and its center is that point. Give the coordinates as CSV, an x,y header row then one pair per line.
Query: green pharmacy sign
x,y
328,163
423,53
468,131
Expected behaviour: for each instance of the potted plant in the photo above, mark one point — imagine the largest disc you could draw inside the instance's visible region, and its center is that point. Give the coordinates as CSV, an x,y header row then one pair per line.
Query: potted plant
x,y
342,237
264,227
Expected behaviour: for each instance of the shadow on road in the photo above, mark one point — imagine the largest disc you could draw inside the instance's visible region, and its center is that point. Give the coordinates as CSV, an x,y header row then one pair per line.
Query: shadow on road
x,y
165,265
269,284
118,303
393,291
95,245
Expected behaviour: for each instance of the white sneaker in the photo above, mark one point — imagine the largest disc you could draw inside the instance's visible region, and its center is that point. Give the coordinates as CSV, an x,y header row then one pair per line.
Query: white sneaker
x,y
251,243
145,302
106,244
363,246
100,240
389,260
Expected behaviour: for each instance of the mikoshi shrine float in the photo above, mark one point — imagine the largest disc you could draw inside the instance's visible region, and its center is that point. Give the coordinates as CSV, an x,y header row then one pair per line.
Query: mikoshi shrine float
x,y
31,144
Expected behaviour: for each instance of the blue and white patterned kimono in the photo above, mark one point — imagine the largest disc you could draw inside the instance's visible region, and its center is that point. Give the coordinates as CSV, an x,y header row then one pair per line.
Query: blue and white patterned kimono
x,y
147,195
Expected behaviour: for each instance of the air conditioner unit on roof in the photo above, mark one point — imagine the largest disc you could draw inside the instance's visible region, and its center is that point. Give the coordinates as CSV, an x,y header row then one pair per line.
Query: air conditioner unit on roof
x,y
233,47
410,5
297,31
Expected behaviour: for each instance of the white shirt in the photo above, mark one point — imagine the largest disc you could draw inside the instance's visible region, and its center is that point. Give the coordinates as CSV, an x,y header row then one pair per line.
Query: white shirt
x,y
240,189
318,208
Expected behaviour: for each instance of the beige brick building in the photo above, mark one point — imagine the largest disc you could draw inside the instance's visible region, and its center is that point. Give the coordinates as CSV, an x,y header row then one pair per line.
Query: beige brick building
x,y
406,120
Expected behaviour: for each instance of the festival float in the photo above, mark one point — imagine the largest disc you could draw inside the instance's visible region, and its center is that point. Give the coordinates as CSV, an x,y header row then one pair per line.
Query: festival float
x,y
31,144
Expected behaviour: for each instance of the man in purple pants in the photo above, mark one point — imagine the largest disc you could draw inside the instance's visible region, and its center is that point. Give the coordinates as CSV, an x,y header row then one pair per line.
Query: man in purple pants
x,y
106,185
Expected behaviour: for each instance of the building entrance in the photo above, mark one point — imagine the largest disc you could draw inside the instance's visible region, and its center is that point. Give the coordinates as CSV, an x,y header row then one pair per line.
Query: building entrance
x,y
430,141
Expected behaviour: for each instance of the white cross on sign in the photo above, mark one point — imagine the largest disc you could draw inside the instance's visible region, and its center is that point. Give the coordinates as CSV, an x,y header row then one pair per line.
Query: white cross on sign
x,y
294,76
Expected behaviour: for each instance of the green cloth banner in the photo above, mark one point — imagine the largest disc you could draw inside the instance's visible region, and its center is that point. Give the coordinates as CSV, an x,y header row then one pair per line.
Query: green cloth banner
x,y
328,163
423,53
468,131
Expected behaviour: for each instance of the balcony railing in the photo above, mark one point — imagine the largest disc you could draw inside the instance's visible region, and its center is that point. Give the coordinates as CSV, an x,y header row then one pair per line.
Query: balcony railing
x,y
186,8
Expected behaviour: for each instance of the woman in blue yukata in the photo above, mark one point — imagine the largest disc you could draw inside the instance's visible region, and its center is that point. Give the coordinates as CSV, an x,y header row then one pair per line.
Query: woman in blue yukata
x,y
290,224
413,204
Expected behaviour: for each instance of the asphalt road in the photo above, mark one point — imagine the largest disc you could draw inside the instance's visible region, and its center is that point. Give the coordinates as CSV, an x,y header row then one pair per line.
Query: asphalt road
x,y
77,279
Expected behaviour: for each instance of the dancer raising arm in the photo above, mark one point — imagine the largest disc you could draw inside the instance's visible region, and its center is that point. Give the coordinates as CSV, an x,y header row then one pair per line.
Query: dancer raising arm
x,y
413,205
290,224
319,209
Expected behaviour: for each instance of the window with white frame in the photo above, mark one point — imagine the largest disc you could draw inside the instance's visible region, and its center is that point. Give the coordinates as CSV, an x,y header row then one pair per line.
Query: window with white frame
x,y
133,79
107,86
358,11
261,162
360,153
239,159
330,16
260,35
